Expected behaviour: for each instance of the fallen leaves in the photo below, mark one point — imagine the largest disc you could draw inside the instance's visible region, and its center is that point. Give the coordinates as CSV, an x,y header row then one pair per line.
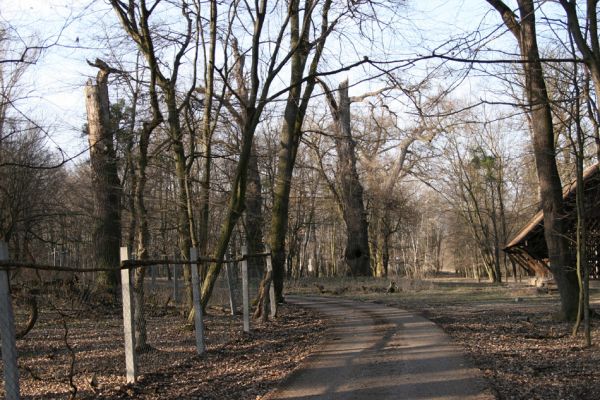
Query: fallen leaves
x,y
523,351
235,366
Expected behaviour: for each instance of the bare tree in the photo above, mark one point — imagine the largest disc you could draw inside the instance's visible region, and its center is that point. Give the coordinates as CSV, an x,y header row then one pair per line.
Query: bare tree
x,y
291,132
135,18
350,194
11,74
585,37
208,127
252,108
539,109
105,180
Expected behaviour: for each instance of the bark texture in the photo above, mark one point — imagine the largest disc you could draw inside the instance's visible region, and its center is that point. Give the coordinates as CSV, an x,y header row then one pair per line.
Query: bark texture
x,y
561,262
350,194
289,139
252,108
106,186
208,124
254,216
291,132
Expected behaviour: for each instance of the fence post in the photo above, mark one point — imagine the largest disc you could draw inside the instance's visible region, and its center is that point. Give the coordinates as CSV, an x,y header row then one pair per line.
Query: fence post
x,y
176,284
128,320
245,290
7,332
230,284
272,299
153,278
198,323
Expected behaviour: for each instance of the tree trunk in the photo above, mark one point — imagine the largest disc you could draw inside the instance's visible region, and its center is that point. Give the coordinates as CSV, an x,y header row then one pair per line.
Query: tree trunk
x,y
236,206
106,186
207,132
290,139
184,227
261,312
252,110
550,184
254,216
496,233
545,153
356,254
385,256
295,110
142,239
581,229
184,218
204,217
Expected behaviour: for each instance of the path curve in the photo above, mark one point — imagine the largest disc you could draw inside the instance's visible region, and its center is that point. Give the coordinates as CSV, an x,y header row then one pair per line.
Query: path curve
x,y
373,351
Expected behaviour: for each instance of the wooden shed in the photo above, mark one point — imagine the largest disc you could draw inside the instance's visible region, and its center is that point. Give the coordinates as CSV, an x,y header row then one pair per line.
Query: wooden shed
x,y
528,247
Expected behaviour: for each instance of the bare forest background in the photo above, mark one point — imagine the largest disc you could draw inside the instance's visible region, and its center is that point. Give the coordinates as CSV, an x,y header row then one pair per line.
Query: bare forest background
x,y
303,128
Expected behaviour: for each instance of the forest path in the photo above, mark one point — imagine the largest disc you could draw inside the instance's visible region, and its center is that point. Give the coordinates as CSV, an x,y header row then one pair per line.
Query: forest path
x,y
377,352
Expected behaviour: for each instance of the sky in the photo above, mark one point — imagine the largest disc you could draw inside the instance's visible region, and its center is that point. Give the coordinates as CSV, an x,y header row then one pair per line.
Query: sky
x,y
54,86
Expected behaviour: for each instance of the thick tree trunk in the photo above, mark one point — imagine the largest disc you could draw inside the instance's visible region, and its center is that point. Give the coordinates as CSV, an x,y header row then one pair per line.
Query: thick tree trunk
x,y
261,312
550,184
106,186
385,256
561,262
380,251
356,254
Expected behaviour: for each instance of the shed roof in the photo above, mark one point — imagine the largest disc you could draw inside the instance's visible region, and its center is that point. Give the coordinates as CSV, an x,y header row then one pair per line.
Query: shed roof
x,y
537,221
530,239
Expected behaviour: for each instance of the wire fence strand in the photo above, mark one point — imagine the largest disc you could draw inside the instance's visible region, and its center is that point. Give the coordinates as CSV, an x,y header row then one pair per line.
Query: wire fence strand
x,y
72,331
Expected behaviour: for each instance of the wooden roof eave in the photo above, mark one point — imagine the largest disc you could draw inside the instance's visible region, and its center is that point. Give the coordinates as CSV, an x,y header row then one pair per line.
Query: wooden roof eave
x,y
539,216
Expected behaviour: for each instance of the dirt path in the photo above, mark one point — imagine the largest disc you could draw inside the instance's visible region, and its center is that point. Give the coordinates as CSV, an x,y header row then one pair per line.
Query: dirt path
x,y
378,352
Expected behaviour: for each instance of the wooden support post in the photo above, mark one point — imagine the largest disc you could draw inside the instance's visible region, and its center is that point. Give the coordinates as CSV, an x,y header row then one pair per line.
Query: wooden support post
x,y
245,291
198,322
272,298
128,320
7,333
230,285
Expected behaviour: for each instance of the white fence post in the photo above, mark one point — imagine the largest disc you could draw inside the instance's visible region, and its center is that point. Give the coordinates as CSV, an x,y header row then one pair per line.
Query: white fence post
x,y
128,320
230,285
198,323
245,290
272,299
7,332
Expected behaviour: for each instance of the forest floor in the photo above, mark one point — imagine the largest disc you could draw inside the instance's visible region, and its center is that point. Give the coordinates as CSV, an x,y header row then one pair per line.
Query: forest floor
x,y
509,331
76,351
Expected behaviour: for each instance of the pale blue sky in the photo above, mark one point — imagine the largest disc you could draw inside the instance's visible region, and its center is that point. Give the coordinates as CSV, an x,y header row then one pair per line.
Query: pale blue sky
x,y
55,84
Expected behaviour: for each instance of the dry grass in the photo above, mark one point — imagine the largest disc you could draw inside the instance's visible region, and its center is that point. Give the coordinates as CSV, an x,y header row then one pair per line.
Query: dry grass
x,y
416,293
